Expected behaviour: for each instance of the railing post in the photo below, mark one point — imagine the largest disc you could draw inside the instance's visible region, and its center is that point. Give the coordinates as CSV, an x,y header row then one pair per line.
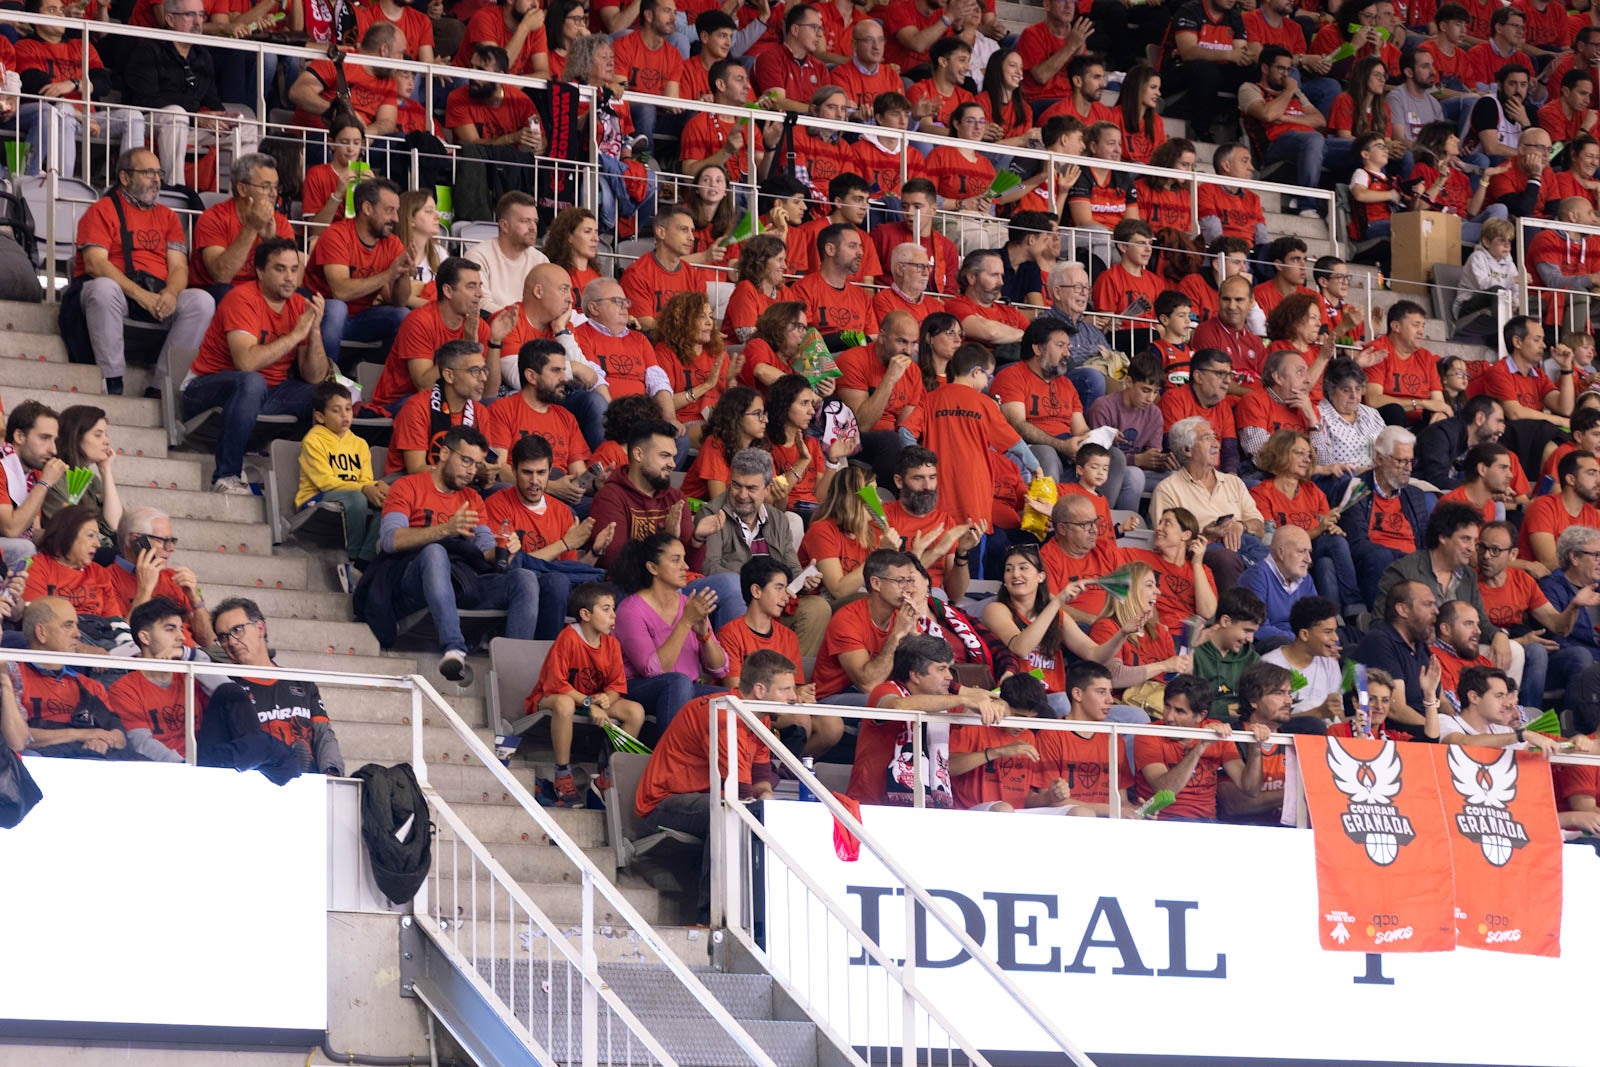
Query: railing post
x,y
1522,275
1113,774
908,982
918,797
190,747
419,761
591,999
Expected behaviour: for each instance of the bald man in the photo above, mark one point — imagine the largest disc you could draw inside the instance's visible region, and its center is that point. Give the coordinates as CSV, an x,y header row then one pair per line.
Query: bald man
x,y
628,357
545,312
1528,185
1280,580
881,383
68,713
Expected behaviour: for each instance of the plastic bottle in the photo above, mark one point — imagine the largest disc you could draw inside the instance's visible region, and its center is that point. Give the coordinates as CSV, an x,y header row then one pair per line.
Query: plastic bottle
x,y
805,791
502,546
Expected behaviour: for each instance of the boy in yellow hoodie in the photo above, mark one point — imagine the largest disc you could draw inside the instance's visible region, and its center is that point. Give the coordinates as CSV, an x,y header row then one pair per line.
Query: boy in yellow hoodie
x,y
336,467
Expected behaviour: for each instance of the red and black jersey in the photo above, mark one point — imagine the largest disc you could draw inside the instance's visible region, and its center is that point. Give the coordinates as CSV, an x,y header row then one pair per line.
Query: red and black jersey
x,y
1215,34
287,709
56,698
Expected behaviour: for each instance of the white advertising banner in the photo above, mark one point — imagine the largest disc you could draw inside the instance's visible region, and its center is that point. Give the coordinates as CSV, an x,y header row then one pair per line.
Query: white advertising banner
x,y
165,896
1155,940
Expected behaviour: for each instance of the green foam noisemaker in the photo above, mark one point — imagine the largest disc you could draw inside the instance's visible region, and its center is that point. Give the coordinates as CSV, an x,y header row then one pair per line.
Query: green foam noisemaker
x,y
1348,49
1117,583
1347,680
695,504
358,169
1549,723
1161,800
622,741
1004,182
1037,672
748,227
869,496
1358,489
1297,681
78,481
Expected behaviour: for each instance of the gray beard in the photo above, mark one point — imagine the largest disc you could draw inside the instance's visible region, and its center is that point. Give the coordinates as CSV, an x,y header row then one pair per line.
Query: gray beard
x,y
919,502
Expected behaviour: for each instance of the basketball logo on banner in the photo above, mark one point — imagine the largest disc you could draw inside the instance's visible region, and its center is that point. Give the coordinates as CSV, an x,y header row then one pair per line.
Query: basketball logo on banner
x,y
1370,817
1489,789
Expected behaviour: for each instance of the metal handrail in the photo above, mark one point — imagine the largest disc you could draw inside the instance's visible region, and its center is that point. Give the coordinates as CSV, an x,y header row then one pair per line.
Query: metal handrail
x,y
1530,291
727,798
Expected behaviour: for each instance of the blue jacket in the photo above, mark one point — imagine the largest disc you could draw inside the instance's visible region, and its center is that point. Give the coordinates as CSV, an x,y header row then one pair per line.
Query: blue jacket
x,y
1559,592
1415,504
1262,580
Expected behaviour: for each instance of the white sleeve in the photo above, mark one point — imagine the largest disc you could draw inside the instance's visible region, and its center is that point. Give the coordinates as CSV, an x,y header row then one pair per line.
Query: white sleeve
x,y
1360,177
656,381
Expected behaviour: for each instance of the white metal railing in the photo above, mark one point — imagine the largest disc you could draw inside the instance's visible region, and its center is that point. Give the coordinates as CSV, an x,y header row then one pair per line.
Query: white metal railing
x,y
461,926
1571,307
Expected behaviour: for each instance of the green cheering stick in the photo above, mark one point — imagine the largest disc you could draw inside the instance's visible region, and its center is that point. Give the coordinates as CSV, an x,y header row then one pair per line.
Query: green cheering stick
x,y
1348,49
622,741
695,504
1117,583
1037,672
1163,799
1548,723
1004,182
748,227
78,481
869,496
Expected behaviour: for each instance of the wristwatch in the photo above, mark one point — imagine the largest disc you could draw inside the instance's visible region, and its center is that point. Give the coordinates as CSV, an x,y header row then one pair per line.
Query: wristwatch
x,y
588,702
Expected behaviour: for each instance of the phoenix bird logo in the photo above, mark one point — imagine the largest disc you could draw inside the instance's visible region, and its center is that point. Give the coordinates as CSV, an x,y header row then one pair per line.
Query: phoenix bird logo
x,y
1370,816
1488,789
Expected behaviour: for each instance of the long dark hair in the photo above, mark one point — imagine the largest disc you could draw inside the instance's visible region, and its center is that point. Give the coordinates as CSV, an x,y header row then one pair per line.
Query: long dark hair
x,y
936,323
993,87
781,396
631,571
1053,642
1371,108
1133,84
76,421
723,422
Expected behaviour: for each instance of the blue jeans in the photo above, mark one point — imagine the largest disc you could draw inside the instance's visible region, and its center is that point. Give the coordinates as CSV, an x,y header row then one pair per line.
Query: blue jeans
x,y
1333,571
1321,92
554,586
1090,384
426,583
1371,561
1304,149
378,323
360,523
730,601
614,198
1541,667
244,396
664,695
589,408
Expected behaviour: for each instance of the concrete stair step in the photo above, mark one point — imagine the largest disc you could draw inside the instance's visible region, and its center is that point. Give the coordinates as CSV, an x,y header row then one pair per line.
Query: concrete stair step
x,y
28,318
334,638
129,410
201,504
30,366
543,864
138,440
393,665
147,472
295,604
238,569
497,823
391,742
612,944
394,708
39,348
561,902
221,538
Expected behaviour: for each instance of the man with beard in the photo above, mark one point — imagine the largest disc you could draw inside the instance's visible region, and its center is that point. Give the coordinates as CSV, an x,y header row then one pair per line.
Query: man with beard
x,y
1455,644
452,317
422,512
983,318
363,270
1205,396
1291,125
30,468
545,313
131,218
1069,296
1487,485
508,256
1266,696
1441,446
833,304
1514,602
640,499
1448,565
536,409
1400,645
881,384
486,113
1039,401
1578,475
1498,120
542,528
453,401
1412,104
935,536
261,330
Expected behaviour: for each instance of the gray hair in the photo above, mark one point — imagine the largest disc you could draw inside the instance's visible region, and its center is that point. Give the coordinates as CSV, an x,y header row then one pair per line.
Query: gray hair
x,y
1276,362
1391,437
1181,437
903,252
752,462
1058,273
246,165
252,612
581,53
136,521
1572,540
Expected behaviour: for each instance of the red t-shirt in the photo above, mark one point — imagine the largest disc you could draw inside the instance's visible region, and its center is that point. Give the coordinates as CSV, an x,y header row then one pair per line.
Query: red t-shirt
x,y
1036,44
882,169
1305,509
341,244
421,335
824,540
964,422
488,25
681,760
1197,799
1259,408
1239,211
956,176
799,79
1163,208
1548,515
368,92
574,665
945,103
1049,405
903,14
1388,525
860,368
710,463
53,698
851,628
1118,291
1061,568
1458,495
648,285
819,160
890,299
1006,315
744,307
144,704
421,502
1008,779
703,137
1575,780
489,119
155,232
1139,650
648,71
910,527
216,228
863,88
88,590
414,24
537,528
1412,377
1083,760
833,310
943,251
1504,381
245,310
414,432
1181,403
738,640
1514,180
803,258
510,419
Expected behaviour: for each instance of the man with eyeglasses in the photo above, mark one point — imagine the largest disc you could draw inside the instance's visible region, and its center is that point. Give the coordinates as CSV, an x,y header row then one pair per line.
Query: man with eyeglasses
x,y
288,711
626,356
1388,522
1205,395
858,647
1342,318
791,73
428,417
52,67
1514,601
153,288
143,570
262,331
226,234
429,519
179,80
918,202
865,76
910,267
1527,185
1289,124
1075,552
454,316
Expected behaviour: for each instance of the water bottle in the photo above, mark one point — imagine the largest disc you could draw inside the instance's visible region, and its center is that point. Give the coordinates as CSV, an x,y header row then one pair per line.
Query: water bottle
x,y
533,125
805,791
502,546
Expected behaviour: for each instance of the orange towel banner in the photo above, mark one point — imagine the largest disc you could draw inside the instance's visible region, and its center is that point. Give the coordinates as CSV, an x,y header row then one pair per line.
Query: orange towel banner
x,y
1421,848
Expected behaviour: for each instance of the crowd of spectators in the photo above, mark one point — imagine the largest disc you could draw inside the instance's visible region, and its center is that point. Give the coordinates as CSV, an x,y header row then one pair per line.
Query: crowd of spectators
x,y
658,477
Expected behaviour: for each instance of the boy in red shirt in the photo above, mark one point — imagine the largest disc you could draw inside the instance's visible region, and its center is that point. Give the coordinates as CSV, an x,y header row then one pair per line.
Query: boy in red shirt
x,y
964,421
583,669
1191,768
994,768
151,703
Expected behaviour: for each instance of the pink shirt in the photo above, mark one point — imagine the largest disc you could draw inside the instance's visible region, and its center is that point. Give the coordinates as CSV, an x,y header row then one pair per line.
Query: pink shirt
x,y
642,632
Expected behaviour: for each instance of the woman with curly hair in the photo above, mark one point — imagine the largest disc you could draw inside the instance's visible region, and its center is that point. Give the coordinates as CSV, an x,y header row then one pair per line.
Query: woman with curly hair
x,y
713,209
763,261
573,242
843,533
937,341
1164,202
690,351
804,470
621,417
739,421
772,348
1296,324
1143,130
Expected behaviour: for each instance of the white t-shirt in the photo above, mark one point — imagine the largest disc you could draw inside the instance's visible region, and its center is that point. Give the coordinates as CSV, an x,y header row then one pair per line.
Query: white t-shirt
x,y
1322,675
1455,724
502,276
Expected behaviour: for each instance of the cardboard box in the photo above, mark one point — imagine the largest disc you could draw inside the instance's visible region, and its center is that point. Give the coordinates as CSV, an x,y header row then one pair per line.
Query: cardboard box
x,y
1420,239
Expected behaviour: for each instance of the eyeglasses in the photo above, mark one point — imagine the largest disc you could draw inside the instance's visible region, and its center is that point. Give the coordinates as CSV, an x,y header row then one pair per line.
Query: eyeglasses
x,y
761,415
228,637
901,582
620,301
809,25
1087,524
466,459
1406,463
918,266
477,371
796,326
270,187
151,172
1493,550
168,543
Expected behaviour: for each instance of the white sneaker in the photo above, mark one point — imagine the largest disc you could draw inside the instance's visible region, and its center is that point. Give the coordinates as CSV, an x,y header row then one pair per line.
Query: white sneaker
x,y
453,666
232,486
